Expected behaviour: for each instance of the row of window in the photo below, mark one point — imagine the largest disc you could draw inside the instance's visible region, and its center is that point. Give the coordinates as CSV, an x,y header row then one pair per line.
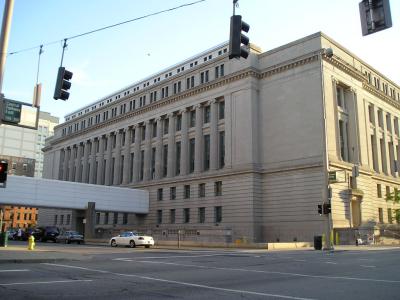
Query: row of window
x,y
186,192
115,218
219,71
392,215
60,221
187,218
388,118
384,87
26,217
146,84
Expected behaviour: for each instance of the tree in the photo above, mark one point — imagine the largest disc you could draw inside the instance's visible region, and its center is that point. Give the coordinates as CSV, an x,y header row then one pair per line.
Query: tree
x,y
395,197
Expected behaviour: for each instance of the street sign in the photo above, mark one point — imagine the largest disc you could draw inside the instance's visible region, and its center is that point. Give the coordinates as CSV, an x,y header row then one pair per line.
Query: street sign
x,y
12,111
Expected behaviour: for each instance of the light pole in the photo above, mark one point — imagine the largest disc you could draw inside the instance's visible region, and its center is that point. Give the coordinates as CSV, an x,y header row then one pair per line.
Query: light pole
x,y
325,159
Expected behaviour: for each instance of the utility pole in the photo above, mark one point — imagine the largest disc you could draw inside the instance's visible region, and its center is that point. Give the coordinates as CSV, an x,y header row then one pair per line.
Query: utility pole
x,y
5,32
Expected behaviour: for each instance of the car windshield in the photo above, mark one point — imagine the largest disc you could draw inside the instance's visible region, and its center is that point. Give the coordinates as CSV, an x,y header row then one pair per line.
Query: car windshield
x,y
73,232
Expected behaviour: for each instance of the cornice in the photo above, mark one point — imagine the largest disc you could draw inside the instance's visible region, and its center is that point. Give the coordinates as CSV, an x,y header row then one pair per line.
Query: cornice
x,y
345,67
370,88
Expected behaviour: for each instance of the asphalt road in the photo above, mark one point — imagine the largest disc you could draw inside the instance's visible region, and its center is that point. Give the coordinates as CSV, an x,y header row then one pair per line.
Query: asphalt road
x,y
138,273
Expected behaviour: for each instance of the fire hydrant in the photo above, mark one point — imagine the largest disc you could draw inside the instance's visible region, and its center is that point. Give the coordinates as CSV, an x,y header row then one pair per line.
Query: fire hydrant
x,y
31,242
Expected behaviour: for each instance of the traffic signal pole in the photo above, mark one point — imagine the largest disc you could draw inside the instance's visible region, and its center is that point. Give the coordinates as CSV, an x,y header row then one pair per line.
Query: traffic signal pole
x,y
5,32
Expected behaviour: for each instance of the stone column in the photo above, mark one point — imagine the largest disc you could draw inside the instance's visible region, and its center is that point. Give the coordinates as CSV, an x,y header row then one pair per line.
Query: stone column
x,y
92,180
136,163
214,135
127,151
100,159
228,130
198,152
117,166
171,146
147,151
85,162
184,143
72,163
159,143
65,163
108,180
90,217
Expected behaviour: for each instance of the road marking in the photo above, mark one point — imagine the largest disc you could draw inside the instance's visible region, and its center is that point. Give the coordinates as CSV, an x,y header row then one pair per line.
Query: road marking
x,y
183,283
366,266
272,272
21,270
44,282
181,256
302,260
331,262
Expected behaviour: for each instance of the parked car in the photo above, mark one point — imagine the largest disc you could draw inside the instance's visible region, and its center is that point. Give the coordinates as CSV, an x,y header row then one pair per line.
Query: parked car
x,y
44,234
132,239
69,237
11,233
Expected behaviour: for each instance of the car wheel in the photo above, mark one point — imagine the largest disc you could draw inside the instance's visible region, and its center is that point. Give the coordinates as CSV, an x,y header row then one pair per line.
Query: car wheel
x,y
132,244
113,243
147,246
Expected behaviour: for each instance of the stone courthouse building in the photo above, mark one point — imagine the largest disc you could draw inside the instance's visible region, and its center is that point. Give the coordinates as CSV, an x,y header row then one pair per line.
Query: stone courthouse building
x,y
240,150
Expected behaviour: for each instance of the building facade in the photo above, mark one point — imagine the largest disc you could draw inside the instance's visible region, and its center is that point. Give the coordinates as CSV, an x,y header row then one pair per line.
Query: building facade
x,y
22,149
240,150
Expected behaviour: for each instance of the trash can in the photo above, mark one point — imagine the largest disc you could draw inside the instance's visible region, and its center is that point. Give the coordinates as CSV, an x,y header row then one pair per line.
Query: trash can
x,y
318,242
3,239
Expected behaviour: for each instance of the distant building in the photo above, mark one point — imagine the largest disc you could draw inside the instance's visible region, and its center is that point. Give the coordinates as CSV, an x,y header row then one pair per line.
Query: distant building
x,y
238,151
22,149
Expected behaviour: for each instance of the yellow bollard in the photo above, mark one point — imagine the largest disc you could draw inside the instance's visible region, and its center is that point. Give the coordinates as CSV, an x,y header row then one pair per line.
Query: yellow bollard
x,y
31,242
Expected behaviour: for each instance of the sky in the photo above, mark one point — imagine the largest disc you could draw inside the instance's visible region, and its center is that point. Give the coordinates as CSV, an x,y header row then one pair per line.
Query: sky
x,y
109,60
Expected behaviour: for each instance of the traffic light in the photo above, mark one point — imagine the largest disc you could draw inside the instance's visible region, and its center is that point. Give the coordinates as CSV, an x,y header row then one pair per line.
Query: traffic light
x,y
3,171
237,38
327,208
375,16
320,209
63,84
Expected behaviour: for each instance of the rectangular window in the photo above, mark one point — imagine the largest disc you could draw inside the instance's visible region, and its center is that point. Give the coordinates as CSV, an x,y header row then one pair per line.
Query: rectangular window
x,y
125,218
143,131
55,218
160,194
340,97
131,168
172,193
106,218
390,216
186,191
380,118
387,191
206,162
191,155
115,219
153,163
178,123
221,110
165,160
218,214
216,72
192,118
186,215
177,158
154,129
166,125
202,190
68,219
221,149
379,190
206,116
159,216
141,173
62,219
388,123
97,218
380,211
172,216
202,214
218,188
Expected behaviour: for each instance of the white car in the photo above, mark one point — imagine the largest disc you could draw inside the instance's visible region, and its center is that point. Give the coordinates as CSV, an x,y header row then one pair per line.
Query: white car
x,y
132,239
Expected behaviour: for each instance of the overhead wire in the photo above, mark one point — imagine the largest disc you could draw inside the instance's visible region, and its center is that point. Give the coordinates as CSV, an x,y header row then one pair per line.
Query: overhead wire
x,y
106,27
